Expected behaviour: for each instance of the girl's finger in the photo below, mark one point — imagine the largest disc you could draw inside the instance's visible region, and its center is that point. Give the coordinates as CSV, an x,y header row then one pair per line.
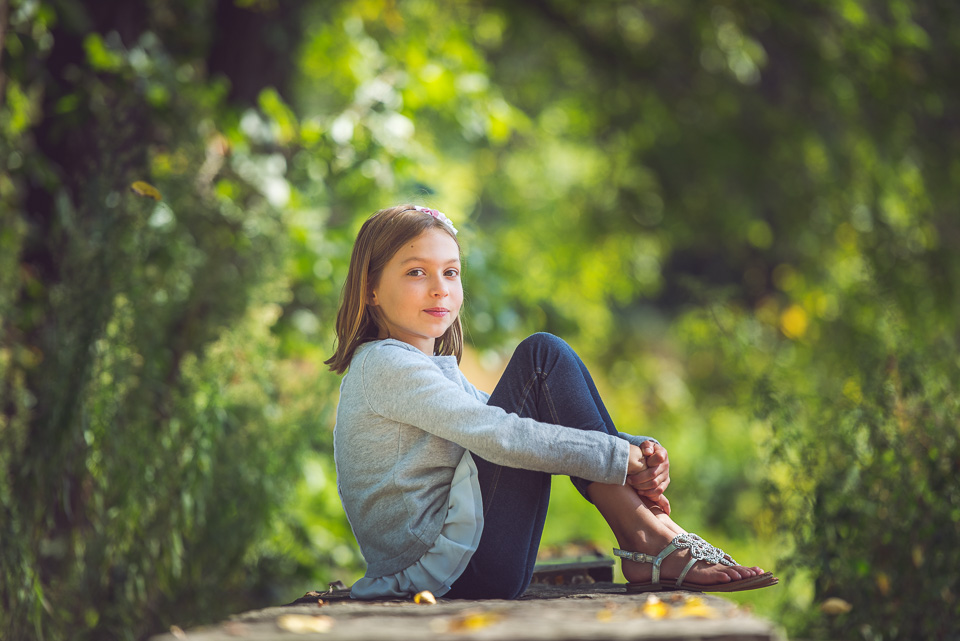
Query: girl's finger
x,y
653,488
649,478
664,504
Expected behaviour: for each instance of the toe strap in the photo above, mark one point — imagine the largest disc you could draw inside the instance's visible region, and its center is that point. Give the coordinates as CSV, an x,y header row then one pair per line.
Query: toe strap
x,y
683,575
725,558
701,550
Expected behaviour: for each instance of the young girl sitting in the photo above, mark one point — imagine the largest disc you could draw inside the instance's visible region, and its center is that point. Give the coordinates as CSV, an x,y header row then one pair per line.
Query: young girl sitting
x,y
446,487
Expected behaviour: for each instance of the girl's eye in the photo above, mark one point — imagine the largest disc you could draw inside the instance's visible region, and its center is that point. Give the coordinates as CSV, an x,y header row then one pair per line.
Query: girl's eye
x,y
415,272
452,273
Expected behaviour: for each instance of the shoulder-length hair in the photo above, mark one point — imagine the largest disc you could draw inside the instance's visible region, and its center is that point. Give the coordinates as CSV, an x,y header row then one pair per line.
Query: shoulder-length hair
x,y
380,237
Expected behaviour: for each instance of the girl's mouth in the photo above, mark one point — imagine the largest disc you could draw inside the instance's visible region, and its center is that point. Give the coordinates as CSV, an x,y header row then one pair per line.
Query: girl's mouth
x,y
439,312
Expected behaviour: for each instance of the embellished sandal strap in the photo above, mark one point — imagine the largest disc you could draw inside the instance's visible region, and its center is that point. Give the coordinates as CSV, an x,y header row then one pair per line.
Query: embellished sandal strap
x,y
725,558
702,550
690,564
639,557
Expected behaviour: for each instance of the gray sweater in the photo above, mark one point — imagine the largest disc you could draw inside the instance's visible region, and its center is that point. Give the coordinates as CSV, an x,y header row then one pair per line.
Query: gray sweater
x,y
403,422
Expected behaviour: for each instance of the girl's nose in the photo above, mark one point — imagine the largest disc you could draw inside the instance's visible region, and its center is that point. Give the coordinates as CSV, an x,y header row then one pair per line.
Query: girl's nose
x,y
440,289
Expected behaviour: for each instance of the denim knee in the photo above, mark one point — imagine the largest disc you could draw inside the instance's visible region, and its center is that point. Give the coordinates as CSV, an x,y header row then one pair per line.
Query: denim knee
x,y
543,341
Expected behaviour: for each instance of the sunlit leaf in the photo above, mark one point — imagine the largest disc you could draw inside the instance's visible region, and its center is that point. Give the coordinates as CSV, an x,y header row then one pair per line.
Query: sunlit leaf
x,y
794,321
146,190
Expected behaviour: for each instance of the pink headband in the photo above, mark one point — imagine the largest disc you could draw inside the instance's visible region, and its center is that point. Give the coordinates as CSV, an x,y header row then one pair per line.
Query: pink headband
x,y
439,216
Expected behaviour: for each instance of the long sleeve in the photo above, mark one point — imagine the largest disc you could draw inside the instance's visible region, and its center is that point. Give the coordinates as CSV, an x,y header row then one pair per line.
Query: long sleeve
x,y
633,439
410,389
403,423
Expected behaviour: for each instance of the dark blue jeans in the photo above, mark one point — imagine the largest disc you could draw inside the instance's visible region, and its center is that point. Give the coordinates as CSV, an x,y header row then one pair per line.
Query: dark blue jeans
x,y
545,380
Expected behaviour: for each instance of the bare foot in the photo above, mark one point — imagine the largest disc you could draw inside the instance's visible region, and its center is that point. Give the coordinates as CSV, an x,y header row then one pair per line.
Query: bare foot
x,y
639,528
702,573
673,527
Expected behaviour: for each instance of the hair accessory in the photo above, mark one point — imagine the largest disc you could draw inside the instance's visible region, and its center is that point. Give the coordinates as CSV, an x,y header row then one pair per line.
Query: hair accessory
x,y
439,216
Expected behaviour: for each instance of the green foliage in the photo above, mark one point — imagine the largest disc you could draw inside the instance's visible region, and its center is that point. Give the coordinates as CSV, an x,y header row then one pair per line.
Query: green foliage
x,y
147,441
875,512
740,213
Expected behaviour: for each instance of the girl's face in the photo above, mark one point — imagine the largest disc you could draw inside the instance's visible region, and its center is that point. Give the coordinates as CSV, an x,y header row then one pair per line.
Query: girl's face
x,y
419,293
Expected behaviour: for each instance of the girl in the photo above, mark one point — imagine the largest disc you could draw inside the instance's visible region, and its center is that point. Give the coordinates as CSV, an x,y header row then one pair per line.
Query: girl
x,y
445,486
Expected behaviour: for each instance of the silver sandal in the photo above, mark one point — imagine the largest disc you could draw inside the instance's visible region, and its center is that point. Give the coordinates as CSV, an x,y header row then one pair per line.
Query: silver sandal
x,y
700,550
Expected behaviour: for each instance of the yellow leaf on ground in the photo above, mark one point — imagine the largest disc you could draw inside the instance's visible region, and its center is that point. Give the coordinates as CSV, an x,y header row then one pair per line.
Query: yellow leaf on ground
x,y
655,608
303,624
695,607
470,621
425,598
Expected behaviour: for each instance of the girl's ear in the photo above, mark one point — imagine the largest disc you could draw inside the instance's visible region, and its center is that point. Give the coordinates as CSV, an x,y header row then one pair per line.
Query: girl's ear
x,y
372,299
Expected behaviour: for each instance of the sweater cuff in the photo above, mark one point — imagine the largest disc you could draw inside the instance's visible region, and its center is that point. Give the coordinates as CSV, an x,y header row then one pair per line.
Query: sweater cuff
x,y
636,440
622,460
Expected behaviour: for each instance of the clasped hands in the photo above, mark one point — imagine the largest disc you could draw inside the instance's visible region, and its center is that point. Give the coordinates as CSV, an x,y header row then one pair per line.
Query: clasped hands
x,y
648,472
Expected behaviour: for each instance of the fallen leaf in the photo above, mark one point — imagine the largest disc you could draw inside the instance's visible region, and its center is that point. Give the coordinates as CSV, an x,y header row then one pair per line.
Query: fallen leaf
x,y
304,624
178,632
655,608
605,616
695,607
336,585
470,621
834,606
146,190
425,598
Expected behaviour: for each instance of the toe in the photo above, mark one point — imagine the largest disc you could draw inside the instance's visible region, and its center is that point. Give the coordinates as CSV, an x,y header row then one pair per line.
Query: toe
x,y
739,572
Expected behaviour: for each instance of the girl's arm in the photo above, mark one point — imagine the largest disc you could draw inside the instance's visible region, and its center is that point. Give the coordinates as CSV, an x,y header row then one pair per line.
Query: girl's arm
x,y
407,387
472,389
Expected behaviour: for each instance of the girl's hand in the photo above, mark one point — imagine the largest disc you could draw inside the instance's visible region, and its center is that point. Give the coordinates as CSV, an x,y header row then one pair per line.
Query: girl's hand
x,y
637,461
652,480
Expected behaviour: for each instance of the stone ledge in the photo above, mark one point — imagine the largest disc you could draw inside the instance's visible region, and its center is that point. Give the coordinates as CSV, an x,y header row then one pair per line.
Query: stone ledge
x,y
545,612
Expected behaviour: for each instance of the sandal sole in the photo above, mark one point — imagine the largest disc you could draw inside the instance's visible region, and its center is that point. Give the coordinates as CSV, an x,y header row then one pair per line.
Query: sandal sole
x,y
753,583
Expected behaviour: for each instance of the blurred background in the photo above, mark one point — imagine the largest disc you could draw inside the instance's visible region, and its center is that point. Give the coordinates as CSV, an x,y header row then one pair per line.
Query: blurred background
x,y
743,214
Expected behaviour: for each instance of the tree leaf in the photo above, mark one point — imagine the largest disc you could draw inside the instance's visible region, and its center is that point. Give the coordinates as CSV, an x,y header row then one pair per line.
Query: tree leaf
x,y
146,190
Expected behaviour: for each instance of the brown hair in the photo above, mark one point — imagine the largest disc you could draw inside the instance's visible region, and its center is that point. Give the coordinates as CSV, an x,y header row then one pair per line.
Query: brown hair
x,y
380,237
